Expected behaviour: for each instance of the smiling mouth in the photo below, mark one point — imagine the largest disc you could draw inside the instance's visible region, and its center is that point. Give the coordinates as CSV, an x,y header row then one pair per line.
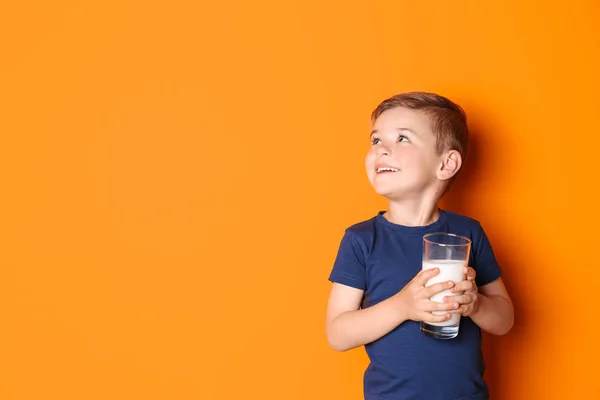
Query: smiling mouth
x,y
383,170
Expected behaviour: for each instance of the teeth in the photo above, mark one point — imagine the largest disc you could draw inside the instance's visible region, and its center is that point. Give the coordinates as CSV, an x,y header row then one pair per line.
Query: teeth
x,y
387,169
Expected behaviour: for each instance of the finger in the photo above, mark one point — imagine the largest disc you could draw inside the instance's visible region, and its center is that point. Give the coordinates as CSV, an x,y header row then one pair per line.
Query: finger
x,y
437,288
470,273
464,299
436,318
463,286
425,275
445,306
464,310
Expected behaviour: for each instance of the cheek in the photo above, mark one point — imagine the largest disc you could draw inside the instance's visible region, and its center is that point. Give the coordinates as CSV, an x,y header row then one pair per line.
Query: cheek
x,y
370,159
413,164
410,158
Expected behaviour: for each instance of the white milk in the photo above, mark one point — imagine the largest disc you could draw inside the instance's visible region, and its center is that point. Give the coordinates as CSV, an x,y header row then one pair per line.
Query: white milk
x,y
450,270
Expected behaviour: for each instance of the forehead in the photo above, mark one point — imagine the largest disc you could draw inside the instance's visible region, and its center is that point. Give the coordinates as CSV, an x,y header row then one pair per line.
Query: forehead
x,y
401,117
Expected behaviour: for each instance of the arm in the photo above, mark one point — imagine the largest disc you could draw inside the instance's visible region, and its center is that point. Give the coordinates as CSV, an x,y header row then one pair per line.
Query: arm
x,y
492,309
495,313
489,306
348,326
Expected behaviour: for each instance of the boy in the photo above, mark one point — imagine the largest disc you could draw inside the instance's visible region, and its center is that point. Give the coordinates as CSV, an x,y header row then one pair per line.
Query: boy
x,y
378,297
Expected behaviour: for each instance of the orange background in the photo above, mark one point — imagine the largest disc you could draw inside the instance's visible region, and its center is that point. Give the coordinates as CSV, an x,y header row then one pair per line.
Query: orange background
x,y
176,177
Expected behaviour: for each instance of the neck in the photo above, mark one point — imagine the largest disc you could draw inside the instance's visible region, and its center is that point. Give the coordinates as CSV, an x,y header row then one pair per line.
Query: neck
x,y
412,212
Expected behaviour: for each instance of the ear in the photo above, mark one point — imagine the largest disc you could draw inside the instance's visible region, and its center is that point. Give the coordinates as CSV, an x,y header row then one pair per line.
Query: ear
x,y
450,165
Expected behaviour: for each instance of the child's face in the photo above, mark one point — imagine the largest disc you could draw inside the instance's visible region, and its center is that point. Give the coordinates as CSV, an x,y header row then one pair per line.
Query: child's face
x,y
402,161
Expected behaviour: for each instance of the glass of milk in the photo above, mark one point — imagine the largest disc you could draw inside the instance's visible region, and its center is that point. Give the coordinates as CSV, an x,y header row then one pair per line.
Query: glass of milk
x,y
449,253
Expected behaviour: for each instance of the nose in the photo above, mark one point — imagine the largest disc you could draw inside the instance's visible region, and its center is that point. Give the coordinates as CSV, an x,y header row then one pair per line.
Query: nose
x,y
383,150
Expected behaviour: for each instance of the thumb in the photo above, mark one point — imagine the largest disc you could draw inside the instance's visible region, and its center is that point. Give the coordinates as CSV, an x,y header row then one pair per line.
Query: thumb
x,y
423,276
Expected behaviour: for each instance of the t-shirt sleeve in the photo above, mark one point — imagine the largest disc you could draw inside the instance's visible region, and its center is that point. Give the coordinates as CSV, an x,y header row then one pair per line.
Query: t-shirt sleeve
x,y
484,261
349,266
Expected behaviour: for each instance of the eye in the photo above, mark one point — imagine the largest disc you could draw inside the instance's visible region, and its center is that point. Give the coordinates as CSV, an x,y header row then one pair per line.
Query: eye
x,y
375,140
402,139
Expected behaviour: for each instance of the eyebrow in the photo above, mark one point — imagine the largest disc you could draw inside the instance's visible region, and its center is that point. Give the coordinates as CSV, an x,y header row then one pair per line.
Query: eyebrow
x,y
397,130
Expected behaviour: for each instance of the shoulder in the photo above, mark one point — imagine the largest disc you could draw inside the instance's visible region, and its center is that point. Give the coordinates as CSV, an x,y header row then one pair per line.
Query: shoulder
x,y
362,228
469,227
466,226
361,235
462,221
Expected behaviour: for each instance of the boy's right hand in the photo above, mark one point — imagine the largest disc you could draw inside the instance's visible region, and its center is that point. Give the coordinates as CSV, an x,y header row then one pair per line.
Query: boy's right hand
x,y
415,302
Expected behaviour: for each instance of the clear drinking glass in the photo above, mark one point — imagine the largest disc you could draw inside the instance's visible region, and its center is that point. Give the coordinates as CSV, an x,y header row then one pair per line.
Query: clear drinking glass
x,y
449,253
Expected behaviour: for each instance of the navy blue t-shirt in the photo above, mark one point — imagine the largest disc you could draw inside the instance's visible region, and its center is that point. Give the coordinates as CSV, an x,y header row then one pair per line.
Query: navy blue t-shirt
x,y
380,257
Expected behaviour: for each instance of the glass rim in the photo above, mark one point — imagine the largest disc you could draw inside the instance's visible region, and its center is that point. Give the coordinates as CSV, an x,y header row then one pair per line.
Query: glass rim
x,y
466,239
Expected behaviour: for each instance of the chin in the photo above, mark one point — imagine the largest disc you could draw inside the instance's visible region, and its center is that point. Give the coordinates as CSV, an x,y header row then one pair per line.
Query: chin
x,y
390,193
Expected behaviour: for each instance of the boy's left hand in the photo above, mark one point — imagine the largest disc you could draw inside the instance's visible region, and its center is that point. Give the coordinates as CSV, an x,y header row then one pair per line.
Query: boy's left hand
x,y
468,300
